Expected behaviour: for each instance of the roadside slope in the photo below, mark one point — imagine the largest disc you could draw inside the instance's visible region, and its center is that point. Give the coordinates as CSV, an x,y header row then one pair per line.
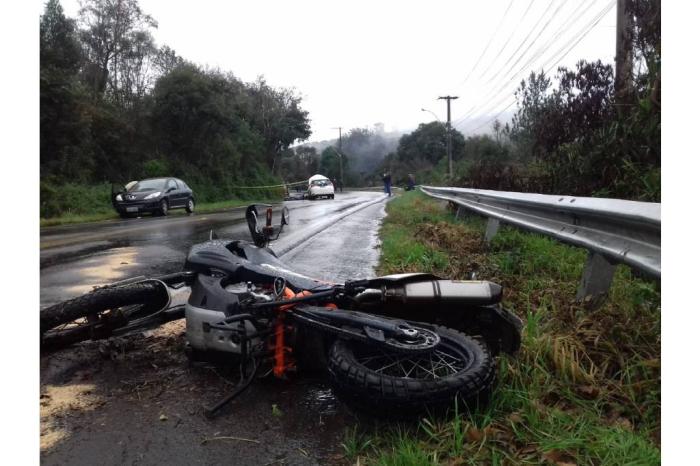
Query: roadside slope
x,y
585,387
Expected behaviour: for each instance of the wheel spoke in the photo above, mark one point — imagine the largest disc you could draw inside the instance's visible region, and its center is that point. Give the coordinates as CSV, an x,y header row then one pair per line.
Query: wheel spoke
x,y
395,362
431,366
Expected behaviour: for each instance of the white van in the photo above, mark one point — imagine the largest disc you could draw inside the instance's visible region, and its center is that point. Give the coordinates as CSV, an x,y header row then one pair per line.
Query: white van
x,y
320,186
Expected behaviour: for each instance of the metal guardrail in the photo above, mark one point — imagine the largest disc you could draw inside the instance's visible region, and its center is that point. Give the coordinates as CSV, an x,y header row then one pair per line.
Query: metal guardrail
x,y
612,230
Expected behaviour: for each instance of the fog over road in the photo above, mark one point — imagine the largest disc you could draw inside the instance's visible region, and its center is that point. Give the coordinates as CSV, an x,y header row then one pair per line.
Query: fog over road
x,y
143,403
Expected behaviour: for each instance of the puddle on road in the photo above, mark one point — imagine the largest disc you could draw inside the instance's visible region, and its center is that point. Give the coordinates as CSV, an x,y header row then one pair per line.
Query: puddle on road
x,y
321,399
60,282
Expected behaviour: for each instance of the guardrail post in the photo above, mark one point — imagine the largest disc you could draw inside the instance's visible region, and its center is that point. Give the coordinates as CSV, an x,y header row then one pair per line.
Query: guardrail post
x,y
461,212
491,229
596,280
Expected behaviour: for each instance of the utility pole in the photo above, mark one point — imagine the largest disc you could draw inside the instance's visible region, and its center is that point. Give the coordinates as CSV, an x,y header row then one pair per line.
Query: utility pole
x,y
340,152
623,58
449,98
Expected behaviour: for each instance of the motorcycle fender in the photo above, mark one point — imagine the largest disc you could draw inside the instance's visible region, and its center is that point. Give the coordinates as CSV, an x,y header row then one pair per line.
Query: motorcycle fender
x,y
499,327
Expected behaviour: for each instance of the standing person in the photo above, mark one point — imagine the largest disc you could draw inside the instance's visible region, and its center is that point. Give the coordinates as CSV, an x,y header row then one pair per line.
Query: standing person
x,y
411,182
387,183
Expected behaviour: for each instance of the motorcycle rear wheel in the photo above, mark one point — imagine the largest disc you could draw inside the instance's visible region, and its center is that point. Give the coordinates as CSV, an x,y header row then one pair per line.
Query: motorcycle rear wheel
x,y
106,309
402,384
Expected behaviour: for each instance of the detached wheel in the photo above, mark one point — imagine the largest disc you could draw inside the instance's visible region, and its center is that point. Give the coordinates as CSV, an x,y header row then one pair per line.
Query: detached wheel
x,y
163,210
190,206
404,384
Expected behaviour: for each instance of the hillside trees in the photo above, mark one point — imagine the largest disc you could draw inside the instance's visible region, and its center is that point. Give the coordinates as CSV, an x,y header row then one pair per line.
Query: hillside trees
x,y
115,106
64,124
421,151
299,164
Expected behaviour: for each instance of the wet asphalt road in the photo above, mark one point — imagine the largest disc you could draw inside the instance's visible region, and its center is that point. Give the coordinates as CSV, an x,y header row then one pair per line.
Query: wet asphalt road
x,y
326,239
333,240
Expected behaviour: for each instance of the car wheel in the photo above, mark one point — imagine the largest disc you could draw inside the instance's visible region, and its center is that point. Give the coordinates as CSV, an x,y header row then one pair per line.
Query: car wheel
x,y
190,206
163,207
332,196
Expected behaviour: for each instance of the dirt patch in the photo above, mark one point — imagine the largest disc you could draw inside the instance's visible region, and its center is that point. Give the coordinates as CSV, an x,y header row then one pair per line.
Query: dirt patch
x,y
56,403
465,247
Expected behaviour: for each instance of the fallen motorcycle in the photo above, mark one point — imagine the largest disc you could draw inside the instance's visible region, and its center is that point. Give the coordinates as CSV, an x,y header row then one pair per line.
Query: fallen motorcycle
x,y
393,344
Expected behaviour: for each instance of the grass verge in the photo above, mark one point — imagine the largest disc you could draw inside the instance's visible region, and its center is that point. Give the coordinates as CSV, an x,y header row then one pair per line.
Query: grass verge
x,y
585,386
110,214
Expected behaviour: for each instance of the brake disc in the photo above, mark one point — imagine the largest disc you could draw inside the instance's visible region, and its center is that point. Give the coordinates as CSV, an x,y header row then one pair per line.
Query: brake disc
x,y
414,339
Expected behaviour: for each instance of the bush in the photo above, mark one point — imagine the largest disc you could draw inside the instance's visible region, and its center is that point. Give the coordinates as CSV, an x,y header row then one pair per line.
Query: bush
x,y
56,200
155,168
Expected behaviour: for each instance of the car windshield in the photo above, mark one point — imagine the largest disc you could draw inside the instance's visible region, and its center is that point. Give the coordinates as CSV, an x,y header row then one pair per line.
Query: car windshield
x,y
148,185
320,182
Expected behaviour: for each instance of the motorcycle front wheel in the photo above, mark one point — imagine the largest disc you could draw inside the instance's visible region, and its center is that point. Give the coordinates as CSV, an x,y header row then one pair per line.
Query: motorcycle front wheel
x,y
402,384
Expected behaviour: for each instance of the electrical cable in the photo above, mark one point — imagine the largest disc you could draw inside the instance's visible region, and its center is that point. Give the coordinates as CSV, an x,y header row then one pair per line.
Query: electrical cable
x,y
596,20
493,94
488,44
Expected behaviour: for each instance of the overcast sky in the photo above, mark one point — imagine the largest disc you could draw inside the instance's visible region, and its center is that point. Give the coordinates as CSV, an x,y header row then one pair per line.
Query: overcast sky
x,y
361,62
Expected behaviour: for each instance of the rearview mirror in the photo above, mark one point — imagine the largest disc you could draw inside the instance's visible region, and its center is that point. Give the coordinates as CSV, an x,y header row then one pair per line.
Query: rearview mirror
x,y
259,218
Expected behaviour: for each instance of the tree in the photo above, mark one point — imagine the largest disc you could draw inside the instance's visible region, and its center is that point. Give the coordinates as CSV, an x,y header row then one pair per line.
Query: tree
x,y
586,145
59,48
365,149
277,115
330,164
166,60
118,44
64,127
497,128
300,163
198,125
534,101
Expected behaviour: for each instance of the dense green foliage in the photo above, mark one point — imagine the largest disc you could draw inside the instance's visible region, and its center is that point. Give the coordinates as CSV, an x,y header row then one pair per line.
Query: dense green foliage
x,y
116,107
572,134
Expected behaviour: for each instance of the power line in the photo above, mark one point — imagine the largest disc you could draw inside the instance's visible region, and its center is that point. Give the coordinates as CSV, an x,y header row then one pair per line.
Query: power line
x,y
529,34
512,34
494,93
577,38
488,44
536,37
592,24
521,44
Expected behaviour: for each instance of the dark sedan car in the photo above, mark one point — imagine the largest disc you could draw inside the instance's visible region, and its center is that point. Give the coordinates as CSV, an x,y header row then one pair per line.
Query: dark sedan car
x,y
154,195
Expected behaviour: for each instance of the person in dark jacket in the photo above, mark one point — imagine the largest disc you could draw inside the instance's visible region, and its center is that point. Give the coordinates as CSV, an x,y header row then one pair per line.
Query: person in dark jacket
x,y
387,183
411,182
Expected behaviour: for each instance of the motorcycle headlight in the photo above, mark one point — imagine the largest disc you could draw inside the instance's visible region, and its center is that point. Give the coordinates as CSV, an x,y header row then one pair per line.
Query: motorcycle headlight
x,y
153,195
119,197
